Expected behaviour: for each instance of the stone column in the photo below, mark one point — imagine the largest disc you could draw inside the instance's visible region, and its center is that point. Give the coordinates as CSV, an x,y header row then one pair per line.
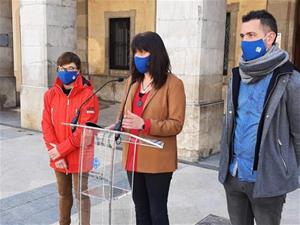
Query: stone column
x,y
193,32
82,34
47,30
7,78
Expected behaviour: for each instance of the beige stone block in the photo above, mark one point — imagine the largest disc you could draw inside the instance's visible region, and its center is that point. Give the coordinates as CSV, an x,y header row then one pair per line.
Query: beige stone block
x,y
178,10
81,7
97,60
82,55
6,71
69,3
210,88
34,74
211,117
188,139
5,25
6,57
81,33
211,61
61,16
32,14
34,36
185,60
188,155
279,9
191,87
61,36
81,20
5,9
202,131
32,106
33,55
54,52
213,34
7,91
178,34
214,10
81,44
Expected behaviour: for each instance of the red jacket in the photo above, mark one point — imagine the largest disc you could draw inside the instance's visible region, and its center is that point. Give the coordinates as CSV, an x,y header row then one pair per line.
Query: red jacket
x,y
60,108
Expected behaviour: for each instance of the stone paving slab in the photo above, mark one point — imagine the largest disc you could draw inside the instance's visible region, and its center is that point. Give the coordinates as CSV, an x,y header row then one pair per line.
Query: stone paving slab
x,y
28,192
214,220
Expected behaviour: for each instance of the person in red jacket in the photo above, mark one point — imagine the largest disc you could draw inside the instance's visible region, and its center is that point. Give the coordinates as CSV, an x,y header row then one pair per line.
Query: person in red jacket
x,y
61,103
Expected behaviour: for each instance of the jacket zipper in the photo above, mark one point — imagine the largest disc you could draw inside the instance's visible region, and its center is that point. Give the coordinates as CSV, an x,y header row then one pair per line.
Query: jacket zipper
x,y
230,144
268,98
52,116
68,110
281,155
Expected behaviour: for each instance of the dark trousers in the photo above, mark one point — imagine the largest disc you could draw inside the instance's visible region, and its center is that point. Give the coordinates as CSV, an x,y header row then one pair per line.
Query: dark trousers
x,y
64,185
150,196
243,208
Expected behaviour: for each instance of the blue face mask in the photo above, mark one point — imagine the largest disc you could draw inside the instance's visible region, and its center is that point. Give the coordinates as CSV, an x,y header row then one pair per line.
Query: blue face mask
x,y
142,63
253,49
67,77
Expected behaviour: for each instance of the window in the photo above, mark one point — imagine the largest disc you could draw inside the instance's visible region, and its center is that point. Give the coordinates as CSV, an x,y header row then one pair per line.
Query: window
x,y
119,43
226,47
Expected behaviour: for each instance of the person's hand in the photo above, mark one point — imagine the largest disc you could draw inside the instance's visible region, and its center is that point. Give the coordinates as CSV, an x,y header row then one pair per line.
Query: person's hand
x,y
111,127
53,153
61,164
132,121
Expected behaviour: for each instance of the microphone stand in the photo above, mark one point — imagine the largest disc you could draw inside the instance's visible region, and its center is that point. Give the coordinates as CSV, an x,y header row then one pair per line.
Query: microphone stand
x,y
75,119
118,125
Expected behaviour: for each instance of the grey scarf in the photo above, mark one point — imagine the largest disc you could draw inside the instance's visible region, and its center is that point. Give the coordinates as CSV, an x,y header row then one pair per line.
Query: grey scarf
x,y
254,70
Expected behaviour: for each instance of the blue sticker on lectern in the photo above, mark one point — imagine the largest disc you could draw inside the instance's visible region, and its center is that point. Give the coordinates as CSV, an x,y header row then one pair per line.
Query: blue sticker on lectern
x,y
96,163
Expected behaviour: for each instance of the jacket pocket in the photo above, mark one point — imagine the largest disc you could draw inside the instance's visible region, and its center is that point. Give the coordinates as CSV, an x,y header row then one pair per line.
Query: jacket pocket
x,y
281,155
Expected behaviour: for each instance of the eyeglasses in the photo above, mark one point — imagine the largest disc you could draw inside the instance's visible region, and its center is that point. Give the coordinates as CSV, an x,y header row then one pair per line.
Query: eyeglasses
x,y
68,69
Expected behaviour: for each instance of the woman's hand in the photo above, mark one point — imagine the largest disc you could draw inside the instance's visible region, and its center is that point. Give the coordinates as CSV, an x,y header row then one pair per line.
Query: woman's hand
x,y
53,153
62,165
132,121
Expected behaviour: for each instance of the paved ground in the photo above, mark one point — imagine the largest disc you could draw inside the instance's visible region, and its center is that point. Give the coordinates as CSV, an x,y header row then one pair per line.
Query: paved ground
x,y
28,191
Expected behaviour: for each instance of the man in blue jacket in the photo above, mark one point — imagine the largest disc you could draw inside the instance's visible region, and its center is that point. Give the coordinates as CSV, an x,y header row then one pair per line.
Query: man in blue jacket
x,y
260,147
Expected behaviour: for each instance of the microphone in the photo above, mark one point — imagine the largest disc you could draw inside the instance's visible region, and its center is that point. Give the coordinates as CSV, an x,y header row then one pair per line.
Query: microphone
x,y
118,125
75,119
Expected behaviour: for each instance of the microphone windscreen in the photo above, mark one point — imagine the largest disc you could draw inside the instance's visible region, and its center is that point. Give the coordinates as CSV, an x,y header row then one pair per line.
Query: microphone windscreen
x,y
90,124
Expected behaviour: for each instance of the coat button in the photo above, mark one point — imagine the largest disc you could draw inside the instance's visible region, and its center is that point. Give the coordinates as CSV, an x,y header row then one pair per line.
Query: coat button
x,y
267,116
284,80
230,112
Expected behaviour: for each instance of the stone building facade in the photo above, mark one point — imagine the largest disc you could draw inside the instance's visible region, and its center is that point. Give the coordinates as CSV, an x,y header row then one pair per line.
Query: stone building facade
x,y
100,32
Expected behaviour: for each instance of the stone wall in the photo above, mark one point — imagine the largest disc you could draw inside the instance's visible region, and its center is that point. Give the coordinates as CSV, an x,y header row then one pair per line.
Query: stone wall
x,y
142,18
284,12
7,79
193,32
47,30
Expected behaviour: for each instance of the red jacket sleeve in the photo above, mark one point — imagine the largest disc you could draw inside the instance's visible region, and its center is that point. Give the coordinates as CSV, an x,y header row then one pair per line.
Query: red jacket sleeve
x,y
89,113
47,125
